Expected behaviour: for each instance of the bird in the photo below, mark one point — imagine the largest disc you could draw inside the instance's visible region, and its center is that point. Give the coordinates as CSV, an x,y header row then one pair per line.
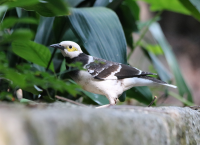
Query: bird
x,y
102,76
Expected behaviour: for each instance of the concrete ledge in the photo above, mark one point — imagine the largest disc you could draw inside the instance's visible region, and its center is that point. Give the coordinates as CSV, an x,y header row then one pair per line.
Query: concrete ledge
x,y
63,124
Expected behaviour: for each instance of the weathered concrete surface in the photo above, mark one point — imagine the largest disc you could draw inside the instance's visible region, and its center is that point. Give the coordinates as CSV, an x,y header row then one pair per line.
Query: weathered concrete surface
x,y
61,124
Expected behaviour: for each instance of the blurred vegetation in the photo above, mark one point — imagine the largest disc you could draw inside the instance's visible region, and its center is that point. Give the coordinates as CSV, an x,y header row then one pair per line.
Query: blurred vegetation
x,y
103,28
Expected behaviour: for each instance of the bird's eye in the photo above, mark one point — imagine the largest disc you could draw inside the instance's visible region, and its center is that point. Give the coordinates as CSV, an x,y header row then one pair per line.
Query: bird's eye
x,y
70,46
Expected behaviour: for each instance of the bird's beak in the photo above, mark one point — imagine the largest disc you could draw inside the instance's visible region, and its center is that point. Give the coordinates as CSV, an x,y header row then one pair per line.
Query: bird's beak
x,y
57,46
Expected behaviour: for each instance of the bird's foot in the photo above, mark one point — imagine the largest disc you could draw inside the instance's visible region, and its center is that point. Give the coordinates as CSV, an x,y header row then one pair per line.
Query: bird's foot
x,y
112,103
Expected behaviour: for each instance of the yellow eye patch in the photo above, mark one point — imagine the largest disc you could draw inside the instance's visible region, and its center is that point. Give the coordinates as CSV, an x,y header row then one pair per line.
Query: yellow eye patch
x,y
71,48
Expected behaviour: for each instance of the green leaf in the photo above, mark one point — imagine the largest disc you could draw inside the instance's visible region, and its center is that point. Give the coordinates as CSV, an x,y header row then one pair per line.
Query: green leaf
x,y
100,3
44,34
20,34
170,5
99,99
3,9
26,101
11,21
18,3
142,94
180,98
58,29
193,6
135,10
103,26
155,49
33,52
50,8
128,14
69,35
171,59
160,68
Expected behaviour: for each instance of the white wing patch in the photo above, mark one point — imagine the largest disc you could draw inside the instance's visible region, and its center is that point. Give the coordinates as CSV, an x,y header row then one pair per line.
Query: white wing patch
x,y
138,70
90,60
90,71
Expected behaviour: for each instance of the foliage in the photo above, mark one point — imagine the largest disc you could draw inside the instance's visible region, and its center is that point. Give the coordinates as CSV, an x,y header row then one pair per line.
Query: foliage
x,y
27,28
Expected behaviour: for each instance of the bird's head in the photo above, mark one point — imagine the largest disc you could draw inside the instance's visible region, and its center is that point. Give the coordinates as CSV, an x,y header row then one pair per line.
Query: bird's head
x,y
68,48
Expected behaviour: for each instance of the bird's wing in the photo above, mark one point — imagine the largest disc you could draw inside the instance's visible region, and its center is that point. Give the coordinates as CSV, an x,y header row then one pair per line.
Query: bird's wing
x,y
107,70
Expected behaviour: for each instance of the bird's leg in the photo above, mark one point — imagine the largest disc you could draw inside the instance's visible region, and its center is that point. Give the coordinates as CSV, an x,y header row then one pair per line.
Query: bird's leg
x,y
112,101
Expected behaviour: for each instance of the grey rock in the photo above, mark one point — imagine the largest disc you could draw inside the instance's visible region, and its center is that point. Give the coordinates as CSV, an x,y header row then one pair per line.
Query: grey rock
x,y
66,124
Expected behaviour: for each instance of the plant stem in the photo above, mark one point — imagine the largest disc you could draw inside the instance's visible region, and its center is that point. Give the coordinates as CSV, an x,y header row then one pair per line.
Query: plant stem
x,y
52,55
48,93
152,101
143,33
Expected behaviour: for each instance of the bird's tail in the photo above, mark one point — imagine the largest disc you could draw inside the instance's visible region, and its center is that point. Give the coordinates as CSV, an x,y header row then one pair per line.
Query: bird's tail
x,y
143,81
154,80
169,85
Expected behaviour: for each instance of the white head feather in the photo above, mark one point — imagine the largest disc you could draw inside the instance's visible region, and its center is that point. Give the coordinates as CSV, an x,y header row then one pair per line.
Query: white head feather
x,y
68,53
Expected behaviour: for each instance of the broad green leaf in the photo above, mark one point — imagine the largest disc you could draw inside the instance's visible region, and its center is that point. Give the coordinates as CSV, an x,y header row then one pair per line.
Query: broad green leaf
x,y
170,5
193,6
100,32
20,34
44,34
9,22
135,10
171,59
22,14
18,3
69,35
142,94
60,26
15,78
99,99
48,8
103,26
33,52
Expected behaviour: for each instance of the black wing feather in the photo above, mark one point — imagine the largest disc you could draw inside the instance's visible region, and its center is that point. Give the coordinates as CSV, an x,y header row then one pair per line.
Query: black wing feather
x,y
103,69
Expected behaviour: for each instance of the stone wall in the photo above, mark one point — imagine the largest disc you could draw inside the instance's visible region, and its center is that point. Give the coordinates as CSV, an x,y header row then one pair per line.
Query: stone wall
x,y
64,124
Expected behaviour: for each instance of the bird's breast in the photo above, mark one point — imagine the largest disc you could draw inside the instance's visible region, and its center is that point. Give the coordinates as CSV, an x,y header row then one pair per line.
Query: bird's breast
x,y
103,87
